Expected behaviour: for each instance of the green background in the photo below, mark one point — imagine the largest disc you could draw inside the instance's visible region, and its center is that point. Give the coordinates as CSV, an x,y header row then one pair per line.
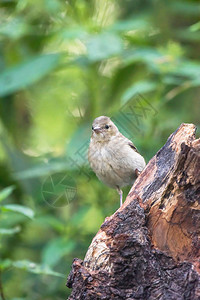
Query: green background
x,y
63,63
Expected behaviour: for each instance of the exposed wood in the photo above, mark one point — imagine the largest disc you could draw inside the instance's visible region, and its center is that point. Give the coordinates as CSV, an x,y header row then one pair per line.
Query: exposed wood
x,y
149,248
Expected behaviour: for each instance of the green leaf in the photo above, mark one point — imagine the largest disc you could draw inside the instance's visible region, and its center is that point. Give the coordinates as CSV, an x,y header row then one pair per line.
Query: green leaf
x,y
51,221
75,33
53,6
26,211
130,24
27,73
6,192
146,55
10,230
138,88
56,249
185,8
77,147
103,46
195,27
172,80
14,28
43,169
190,69
187,35
35,268
5,264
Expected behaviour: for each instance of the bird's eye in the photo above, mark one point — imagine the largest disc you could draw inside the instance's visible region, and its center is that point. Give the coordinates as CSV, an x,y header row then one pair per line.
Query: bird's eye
x,y
107,126
92,128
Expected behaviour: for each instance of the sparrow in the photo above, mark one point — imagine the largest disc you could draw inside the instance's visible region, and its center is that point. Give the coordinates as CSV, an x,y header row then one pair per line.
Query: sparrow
x,y
112,156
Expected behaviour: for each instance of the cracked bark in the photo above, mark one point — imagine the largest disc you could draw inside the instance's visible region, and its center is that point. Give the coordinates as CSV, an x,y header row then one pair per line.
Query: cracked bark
x,y
149,248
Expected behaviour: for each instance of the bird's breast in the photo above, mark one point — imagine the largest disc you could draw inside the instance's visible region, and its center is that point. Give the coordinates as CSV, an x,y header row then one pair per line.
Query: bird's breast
x,y
101,161
98,158
115,163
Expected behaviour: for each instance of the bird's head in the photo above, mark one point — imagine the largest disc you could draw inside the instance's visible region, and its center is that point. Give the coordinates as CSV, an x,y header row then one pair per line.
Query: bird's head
x,y
103,129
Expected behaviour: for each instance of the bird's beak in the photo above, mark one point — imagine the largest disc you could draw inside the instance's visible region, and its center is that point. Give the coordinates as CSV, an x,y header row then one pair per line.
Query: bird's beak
x,y
97,129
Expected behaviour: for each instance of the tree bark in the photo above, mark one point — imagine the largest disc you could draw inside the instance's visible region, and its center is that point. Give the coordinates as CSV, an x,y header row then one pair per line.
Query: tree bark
x,y
149,248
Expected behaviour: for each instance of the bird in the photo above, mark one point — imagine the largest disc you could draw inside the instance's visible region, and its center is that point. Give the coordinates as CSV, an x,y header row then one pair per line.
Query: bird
x,y
112,156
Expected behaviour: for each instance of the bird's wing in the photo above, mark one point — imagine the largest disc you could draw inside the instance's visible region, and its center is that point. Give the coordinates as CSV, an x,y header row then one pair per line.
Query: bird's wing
x,y
133,146
129,143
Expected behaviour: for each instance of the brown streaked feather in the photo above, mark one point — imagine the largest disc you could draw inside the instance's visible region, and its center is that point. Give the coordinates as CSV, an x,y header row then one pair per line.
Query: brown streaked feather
x,y
133,147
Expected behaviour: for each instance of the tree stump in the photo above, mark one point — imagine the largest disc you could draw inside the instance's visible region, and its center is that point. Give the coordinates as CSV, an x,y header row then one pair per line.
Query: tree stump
x,y
149,248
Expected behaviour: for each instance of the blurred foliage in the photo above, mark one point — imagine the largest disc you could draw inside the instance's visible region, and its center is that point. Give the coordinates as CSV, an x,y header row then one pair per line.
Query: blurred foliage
x,y
63,63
